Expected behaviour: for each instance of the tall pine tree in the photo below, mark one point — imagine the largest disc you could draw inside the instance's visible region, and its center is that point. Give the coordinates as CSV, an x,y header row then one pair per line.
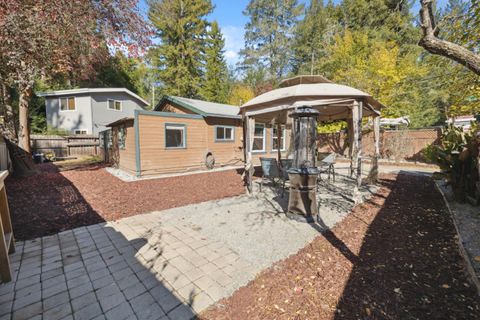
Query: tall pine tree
x,y
181,28
312,36
268,35
215,86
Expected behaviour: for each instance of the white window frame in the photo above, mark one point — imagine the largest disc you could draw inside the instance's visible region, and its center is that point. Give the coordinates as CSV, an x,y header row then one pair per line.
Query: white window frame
x,y
232,139
284,136
176,126
75,131
68,110
114,102
264,138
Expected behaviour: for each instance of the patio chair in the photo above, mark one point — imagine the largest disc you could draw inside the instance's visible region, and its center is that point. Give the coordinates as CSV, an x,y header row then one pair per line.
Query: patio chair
x,y
327,165
270,170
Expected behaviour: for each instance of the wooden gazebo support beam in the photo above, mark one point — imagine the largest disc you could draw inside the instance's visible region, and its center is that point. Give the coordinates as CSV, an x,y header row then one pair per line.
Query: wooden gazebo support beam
x,y
373,175
357,112
249,127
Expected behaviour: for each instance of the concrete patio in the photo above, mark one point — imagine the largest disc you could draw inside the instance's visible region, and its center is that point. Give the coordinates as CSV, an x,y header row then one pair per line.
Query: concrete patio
x,y
170,264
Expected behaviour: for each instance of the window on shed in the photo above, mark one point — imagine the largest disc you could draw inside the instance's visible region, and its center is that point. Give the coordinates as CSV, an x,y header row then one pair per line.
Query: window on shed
x,y
224,133
67,104
114,104
80,131
259,138
175,136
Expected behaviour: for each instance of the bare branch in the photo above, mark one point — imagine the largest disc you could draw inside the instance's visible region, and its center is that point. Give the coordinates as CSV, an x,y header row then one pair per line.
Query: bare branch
x,y
441,47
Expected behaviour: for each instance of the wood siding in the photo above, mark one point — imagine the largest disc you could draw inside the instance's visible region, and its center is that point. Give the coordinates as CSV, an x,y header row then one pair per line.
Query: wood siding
x,y
127,155
200,140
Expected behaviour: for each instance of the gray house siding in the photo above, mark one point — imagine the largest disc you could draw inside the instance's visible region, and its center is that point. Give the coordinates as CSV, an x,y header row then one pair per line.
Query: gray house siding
x,y
102,115
91,111
80,118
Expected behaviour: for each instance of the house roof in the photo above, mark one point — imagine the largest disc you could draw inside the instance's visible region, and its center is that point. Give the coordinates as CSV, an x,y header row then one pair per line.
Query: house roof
x,y
89,90
119,121
204,108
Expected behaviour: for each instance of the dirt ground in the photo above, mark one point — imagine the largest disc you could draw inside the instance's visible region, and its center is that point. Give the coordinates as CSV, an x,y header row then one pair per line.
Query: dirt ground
x,y
72,194
394,257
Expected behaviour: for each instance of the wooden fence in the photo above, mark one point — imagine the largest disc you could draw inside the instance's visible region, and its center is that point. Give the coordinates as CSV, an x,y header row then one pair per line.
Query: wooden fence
x,y
64,146
396,145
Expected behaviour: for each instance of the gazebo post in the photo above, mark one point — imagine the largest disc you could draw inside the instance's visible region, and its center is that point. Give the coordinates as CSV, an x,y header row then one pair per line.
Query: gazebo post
x,y
357,140
279,135
373,175
350,134
249,167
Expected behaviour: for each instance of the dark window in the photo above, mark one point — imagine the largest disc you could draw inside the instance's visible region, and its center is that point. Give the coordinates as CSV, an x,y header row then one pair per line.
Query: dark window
x,y
175,136
223,133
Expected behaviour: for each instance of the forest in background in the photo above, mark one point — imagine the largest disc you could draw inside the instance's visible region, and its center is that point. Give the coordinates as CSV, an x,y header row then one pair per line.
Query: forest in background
x,y
371,45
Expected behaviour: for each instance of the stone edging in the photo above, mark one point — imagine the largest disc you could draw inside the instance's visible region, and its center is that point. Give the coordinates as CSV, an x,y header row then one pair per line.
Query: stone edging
x,y
463,252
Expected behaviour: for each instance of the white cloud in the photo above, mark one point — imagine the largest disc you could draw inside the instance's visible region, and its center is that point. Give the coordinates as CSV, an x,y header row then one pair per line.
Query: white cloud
x,y
233,42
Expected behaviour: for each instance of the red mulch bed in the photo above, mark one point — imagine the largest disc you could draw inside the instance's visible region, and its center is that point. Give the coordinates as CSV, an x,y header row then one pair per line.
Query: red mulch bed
x,y
54,201
395,257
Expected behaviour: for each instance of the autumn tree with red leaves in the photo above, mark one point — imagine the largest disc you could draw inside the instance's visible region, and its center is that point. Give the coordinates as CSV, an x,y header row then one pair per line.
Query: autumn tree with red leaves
x,y
43,38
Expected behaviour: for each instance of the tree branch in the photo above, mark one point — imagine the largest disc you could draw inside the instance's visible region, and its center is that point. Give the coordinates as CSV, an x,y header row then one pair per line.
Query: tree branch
x,y
441,47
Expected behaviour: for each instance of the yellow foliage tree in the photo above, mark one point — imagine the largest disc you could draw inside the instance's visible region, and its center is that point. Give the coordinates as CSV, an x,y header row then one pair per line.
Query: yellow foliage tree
x,y
240,94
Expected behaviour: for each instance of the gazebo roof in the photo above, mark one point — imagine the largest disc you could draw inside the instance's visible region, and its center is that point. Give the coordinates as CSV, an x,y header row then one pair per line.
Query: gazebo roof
x,y
333,100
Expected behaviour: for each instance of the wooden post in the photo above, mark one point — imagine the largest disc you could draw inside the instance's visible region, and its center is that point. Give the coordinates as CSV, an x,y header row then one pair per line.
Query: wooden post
x,y
249,167
357,140
350,134
373,175
279,136
7,241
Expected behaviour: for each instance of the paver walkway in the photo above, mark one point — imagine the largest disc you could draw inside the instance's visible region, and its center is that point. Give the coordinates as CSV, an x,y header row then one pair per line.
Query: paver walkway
x,y
134,268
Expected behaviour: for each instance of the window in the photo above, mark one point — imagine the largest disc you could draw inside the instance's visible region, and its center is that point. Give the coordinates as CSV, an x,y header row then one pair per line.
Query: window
x,y
80,131
175,136
275,138
224,133
259,138
67,104
114,105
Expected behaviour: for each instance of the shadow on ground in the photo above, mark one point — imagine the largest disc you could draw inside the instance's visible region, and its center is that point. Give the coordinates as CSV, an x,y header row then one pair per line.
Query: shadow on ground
x,y
409,266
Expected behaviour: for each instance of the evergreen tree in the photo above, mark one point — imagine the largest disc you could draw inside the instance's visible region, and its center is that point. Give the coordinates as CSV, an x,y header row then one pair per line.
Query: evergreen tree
x,y
312,36
385,19
181,27
215,86
268,35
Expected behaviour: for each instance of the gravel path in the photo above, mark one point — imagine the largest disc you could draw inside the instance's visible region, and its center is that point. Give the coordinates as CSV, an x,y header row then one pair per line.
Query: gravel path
x,y
257,228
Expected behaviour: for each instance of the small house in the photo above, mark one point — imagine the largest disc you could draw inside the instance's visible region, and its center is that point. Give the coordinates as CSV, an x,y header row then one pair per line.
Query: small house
x,y
184,135
87,111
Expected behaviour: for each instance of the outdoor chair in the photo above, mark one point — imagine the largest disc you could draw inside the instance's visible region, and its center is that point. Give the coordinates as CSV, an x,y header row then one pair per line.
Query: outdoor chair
x,y
327,165
272,172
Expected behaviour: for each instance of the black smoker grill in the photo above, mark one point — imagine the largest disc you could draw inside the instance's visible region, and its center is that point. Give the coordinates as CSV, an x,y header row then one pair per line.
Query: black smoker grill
x,y
302,202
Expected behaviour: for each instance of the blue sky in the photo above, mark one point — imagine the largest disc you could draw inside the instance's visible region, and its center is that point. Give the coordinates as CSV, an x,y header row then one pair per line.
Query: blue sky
x,y
229,14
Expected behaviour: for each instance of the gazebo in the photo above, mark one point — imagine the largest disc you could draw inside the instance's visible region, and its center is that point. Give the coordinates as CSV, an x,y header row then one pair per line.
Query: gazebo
x,y
333,101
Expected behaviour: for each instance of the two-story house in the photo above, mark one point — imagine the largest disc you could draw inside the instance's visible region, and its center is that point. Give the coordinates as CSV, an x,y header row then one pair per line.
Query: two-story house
x,y
87,111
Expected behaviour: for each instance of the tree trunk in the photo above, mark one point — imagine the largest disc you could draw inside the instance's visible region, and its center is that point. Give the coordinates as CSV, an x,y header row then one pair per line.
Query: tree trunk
x,y
441,47
9,126
24,126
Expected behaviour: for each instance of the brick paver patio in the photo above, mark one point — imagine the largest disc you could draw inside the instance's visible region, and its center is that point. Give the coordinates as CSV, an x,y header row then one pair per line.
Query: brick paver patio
x,y
135,268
